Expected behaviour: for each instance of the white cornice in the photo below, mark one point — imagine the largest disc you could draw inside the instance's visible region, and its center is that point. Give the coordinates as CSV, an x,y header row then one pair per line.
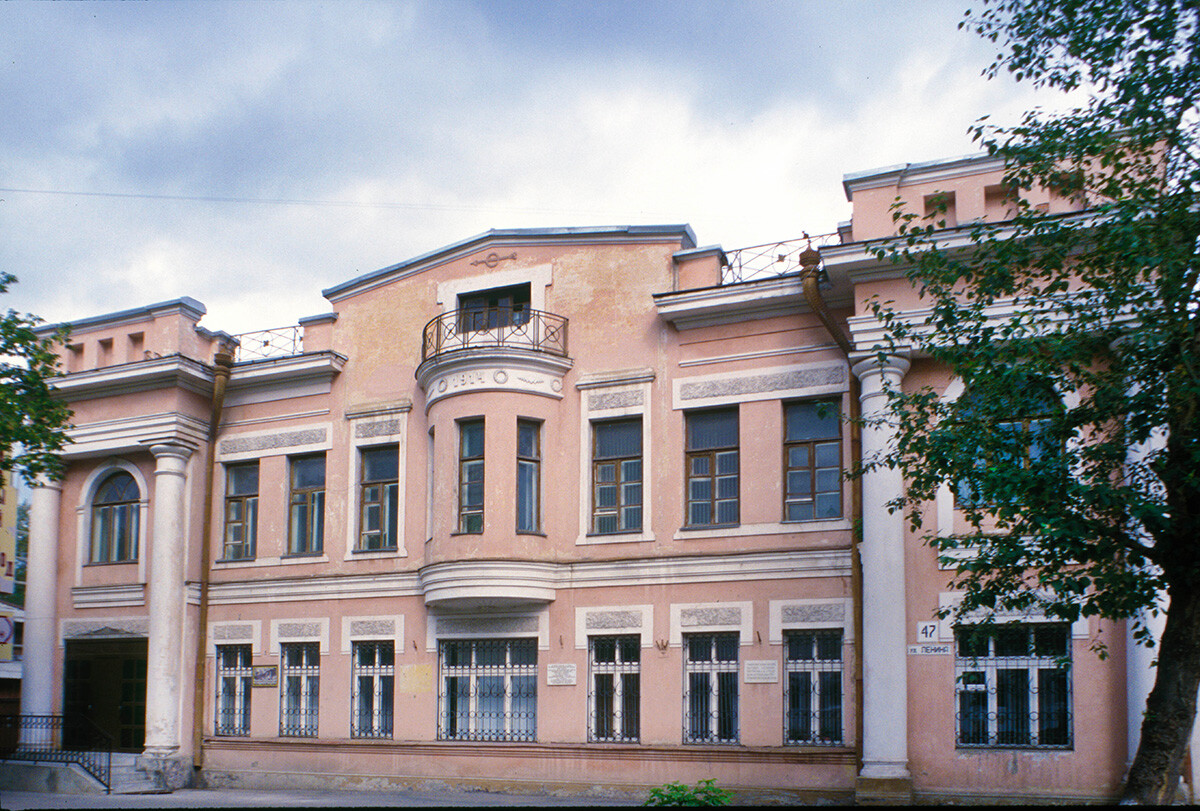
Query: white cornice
x,y
134,433
172,371
108,596
733,303
473,583
544,575
276,371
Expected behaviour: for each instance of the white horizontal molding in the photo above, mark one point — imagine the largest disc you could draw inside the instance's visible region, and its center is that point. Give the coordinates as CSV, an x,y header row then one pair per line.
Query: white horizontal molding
x,y
172,371
337,587
119,596
134,433
271,379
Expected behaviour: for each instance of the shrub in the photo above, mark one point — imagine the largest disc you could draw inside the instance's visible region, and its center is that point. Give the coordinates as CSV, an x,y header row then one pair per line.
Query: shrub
x,y
705,792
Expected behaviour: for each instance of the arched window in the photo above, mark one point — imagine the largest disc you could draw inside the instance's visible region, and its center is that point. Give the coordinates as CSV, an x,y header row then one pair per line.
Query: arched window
x,y
115,520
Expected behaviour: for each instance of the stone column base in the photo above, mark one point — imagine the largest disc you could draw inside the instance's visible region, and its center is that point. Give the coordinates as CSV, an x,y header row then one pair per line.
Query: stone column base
x,y
883,791
167,771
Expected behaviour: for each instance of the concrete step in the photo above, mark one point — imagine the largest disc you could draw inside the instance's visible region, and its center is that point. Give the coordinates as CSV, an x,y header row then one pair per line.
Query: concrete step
x,y
128,779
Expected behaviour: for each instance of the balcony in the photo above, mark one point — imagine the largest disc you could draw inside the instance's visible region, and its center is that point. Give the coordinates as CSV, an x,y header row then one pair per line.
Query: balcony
x,y
493,349
495,328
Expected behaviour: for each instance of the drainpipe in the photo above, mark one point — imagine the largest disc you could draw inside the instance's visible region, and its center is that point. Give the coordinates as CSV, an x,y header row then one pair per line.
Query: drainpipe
x,y
222,363
810,260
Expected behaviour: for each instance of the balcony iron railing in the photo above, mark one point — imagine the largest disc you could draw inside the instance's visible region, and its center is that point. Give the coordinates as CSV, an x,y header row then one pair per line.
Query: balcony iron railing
x,y
770,259
495,328
279,342
58,739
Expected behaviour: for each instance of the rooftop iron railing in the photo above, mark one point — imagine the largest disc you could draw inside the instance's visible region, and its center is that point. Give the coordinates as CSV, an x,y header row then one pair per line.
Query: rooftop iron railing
x,y
495,328
770,259
262,344
58,739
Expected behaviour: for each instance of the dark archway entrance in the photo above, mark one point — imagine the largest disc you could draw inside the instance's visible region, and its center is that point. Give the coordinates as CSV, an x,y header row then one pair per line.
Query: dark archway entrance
x,y
106,683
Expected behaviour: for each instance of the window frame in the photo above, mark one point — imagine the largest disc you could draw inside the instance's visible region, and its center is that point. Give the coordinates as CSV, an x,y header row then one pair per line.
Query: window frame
x,y
711,716
388,506
119,541
823,723
466,466
486,309
246,504
529,476
616,709
299,712
233,705
813,447
712,456
380,675
307,504
513,722
980,725
620,482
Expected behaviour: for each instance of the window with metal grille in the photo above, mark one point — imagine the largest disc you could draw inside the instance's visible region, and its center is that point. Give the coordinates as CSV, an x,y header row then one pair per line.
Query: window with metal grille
x,y
115,511
299,688
617,476
234,676
241,511
379,498
374,687
712,467
710,683
1014,686
615,688
813,666
812,461
529,475
488,690
306,529
470,476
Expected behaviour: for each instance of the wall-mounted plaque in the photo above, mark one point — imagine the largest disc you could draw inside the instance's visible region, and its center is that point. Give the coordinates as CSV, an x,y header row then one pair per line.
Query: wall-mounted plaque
x,y
265,676
560,674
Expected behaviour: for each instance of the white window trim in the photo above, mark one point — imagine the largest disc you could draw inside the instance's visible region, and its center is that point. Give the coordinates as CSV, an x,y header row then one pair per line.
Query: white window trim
x,y
83,514
497,620
354,477
254,640
397,635
586,418
950,600
645,628
322,636
776,625
744,628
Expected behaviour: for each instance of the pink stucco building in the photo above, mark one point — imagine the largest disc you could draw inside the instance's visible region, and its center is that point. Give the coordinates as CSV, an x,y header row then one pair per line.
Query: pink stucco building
x,y
554,507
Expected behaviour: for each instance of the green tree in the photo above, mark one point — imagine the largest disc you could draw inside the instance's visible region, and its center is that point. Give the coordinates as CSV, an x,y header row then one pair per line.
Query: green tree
x,y
32,422
1075,451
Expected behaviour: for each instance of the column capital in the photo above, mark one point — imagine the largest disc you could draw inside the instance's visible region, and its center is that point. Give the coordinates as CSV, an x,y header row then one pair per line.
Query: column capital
x,y
171,449
44,482
896,363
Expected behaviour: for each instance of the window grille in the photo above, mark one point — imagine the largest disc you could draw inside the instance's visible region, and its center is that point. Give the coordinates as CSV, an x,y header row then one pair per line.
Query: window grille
x,y
814,687
617,476
379,499
470,476
488,690
1014,686
529,476
299,688
712,467
614,695
374,689
812,461
241,511
710,679
115,511
234,676
306,533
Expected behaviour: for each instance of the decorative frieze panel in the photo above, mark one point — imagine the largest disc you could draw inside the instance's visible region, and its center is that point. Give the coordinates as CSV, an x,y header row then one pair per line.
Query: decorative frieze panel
x,y
481,370
300,630
700,617
812,613
262,444
607,620
480,626
111,628
806,380
373,629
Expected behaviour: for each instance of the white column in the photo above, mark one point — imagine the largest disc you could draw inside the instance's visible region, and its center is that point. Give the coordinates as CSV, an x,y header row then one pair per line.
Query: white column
x,y
41,594
167,600
885,664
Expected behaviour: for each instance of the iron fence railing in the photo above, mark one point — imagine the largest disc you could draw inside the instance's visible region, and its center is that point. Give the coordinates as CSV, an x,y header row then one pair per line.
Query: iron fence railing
x,y
495,328
770,259
58,739
279,342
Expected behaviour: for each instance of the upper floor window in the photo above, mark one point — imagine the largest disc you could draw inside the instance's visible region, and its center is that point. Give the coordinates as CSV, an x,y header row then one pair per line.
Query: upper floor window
x,y
617,476
241,511
470,476
1018,437
306,529
712,467
379,499
812,461
115,511
1014,686
498,307
529,475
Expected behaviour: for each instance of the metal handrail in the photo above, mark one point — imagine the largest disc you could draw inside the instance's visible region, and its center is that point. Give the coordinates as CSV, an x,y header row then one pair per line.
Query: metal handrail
x,y
59,739
495,328
770,259
279,342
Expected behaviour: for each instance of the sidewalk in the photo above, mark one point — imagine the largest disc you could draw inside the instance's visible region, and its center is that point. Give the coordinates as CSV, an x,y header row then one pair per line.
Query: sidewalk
x,y
248,798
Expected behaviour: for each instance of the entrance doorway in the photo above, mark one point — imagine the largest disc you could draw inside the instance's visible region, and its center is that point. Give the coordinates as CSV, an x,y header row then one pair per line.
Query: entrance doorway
x,y
106,683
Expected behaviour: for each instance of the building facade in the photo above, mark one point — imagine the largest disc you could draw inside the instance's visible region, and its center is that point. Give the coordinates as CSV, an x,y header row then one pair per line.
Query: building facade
x,y
556,507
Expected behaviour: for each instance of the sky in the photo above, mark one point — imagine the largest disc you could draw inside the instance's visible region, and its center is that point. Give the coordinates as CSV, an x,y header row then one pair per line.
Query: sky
x,y
249,154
